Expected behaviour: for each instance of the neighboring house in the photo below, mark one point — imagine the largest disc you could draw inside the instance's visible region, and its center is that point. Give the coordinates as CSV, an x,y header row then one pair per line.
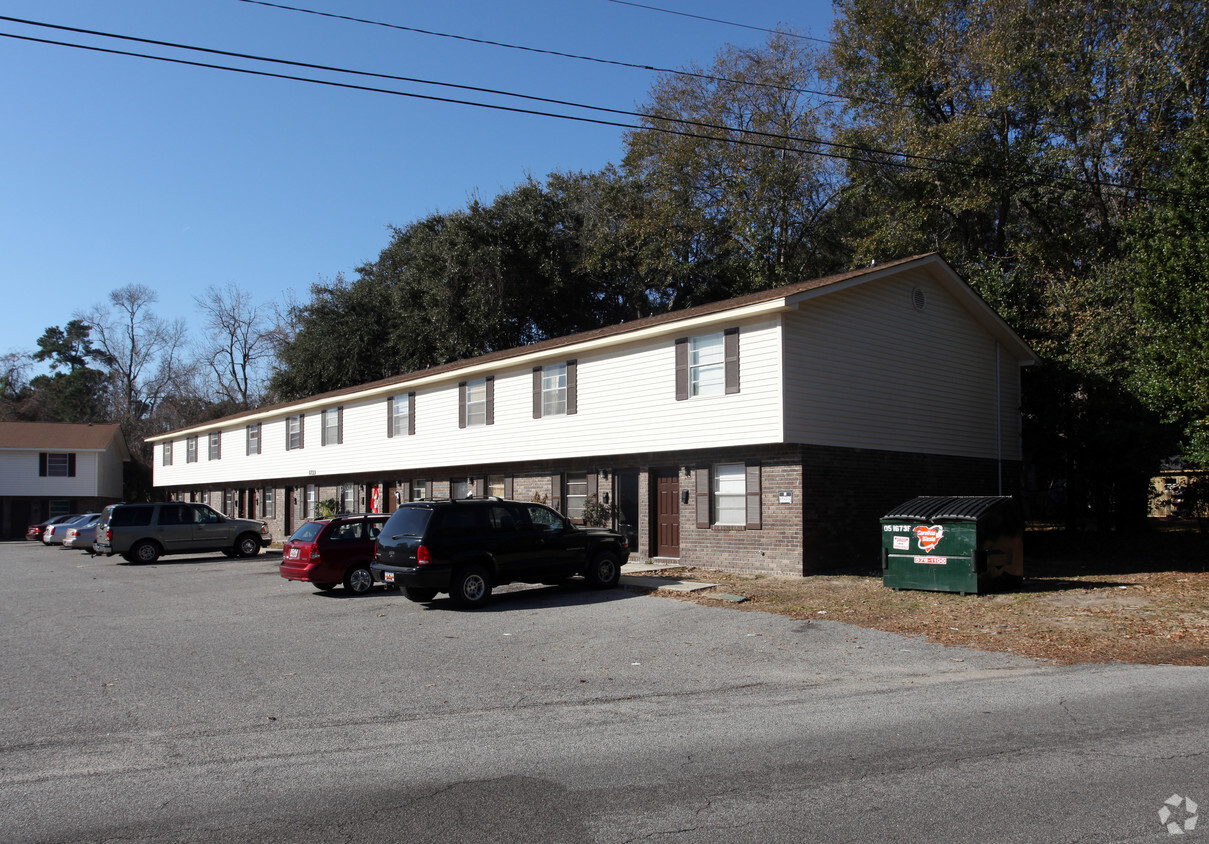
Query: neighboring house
x,y
48,469
765,433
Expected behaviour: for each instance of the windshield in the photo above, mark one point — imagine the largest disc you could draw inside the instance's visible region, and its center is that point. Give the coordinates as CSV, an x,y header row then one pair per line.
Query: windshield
x,y
407,521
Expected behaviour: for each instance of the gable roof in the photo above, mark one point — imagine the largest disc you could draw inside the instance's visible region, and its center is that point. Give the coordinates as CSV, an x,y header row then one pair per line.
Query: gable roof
x,y
777,298
61,436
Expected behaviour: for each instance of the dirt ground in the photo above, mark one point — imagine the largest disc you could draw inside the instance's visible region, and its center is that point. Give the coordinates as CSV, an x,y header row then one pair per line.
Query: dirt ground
x,y
1085,598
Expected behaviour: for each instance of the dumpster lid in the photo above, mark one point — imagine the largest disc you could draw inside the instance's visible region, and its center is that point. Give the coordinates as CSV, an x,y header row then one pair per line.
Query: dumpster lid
x,y
933,507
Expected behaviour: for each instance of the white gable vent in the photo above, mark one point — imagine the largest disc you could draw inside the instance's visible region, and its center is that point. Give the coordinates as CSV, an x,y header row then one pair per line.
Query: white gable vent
x,y
919,299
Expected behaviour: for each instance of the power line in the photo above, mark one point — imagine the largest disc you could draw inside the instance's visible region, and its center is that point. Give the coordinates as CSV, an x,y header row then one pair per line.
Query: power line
x,y
719,20
867,155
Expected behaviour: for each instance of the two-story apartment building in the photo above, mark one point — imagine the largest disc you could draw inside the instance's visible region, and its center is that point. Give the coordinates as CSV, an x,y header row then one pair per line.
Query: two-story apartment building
x,y
763,433
49,469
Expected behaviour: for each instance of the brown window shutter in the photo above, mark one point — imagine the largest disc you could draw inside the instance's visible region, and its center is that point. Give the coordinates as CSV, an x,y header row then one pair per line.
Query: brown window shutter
x,y
537,392
572,387
703,493
730,351
461,404
490,399
479,487
404,491
754,514
71,464
556,492
411,414
390,417
592,485
340,425
301,428
508,486
247,440
682,369
42,464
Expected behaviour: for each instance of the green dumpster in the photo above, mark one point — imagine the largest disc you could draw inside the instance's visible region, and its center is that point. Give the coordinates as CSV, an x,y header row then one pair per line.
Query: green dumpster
x,y
966,544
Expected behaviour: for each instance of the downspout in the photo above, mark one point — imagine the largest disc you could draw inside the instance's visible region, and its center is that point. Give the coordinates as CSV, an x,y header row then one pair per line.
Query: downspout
x,y
999,414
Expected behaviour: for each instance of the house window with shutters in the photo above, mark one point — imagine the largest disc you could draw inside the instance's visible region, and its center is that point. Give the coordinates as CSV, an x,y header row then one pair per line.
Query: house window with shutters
x,y
419,490
191,449
269,502
554,389
168,453
476,402
728,496
215,445
401,415
293,432
52,465
332,432
254,438
707,365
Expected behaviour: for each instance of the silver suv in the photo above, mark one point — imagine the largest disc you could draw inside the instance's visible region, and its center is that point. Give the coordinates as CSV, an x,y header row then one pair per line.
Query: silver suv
x,y
142,532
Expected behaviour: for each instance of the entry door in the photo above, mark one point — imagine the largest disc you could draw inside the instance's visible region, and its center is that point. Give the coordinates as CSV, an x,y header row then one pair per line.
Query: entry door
x,y
667,514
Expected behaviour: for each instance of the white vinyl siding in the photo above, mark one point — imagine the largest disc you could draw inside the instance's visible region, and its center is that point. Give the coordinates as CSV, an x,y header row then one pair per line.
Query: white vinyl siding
x,y
899,390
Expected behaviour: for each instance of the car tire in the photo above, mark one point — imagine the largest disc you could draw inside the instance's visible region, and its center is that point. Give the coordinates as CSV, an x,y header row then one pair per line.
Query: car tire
x,y
604,571
247,546
358,579
324,587
470,587
145,552
418,594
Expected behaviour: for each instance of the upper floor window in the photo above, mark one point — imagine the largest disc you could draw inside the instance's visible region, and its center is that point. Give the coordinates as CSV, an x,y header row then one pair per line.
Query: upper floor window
x,y
215,446
51,465
401,415
332,432
167,453
476,402
707,365
254,438
191,449
293,432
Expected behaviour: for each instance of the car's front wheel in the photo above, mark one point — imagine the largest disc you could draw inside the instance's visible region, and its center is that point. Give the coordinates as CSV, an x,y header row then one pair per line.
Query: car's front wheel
x,y
604,571
470,588
247,546
358,579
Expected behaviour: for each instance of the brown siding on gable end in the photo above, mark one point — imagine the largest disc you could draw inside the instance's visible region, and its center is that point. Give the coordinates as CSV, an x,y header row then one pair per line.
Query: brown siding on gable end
x,y
682,369
572,387
703,494
730,348
753,497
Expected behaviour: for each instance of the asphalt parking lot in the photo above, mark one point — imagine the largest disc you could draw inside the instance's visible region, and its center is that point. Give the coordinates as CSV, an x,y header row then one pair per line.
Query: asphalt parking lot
x,y
202,698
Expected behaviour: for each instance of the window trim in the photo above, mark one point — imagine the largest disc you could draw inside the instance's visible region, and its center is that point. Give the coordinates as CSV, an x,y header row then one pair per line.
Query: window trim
x,y
253,438
191,449
570,389
214,445
67,460
393,417
325,426
166,455
300,419
465,405
706,504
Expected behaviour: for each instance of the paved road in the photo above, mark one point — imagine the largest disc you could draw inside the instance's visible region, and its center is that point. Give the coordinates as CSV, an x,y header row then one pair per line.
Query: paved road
x,y
206,699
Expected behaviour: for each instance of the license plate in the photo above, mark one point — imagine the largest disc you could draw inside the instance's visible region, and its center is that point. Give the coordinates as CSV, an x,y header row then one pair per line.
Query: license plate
x,y
293,553
388,576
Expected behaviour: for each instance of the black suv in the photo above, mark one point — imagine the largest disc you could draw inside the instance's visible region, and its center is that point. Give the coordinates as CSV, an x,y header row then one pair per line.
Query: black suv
x,y
468,546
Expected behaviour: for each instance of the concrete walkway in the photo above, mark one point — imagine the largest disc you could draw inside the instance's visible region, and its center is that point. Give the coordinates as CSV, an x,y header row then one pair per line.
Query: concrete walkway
x,y
638,576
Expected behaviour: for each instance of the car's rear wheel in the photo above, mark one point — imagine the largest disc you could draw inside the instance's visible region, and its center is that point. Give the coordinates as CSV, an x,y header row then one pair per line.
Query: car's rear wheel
x,y
470,588
247,546
358,579
145,552
604,571
418,594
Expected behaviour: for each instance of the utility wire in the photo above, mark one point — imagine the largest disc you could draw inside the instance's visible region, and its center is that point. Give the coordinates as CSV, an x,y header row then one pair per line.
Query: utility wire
x,y
705,77
867,155
719,20
479,90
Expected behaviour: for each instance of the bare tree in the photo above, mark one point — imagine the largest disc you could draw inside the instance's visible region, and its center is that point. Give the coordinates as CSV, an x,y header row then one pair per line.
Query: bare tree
x,y
240,342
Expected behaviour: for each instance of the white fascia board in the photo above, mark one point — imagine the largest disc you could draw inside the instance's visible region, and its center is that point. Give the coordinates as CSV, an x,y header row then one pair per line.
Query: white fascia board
x,y
473,369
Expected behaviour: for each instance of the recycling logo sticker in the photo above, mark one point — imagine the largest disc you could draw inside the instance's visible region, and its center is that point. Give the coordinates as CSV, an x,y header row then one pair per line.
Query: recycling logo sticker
x,y
1178,814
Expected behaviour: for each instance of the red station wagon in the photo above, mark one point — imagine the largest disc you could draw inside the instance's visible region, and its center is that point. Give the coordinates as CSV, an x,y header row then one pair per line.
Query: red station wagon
x,y
326,552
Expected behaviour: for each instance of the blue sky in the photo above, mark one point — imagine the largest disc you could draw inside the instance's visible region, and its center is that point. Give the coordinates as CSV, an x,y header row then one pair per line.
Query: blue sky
x,y
117,170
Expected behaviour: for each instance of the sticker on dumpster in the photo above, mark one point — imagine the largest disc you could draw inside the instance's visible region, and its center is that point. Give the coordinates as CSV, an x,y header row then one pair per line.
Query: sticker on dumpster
x,y
902,543
929,536
932,561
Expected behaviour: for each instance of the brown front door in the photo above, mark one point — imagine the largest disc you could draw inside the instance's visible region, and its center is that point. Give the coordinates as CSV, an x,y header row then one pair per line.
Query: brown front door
x,y
667,514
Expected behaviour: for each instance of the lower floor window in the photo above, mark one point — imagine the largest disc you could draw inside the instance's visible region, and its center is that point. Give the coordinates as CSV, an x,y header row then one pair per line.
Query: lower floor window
x,y
577,495
730,494
270,504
